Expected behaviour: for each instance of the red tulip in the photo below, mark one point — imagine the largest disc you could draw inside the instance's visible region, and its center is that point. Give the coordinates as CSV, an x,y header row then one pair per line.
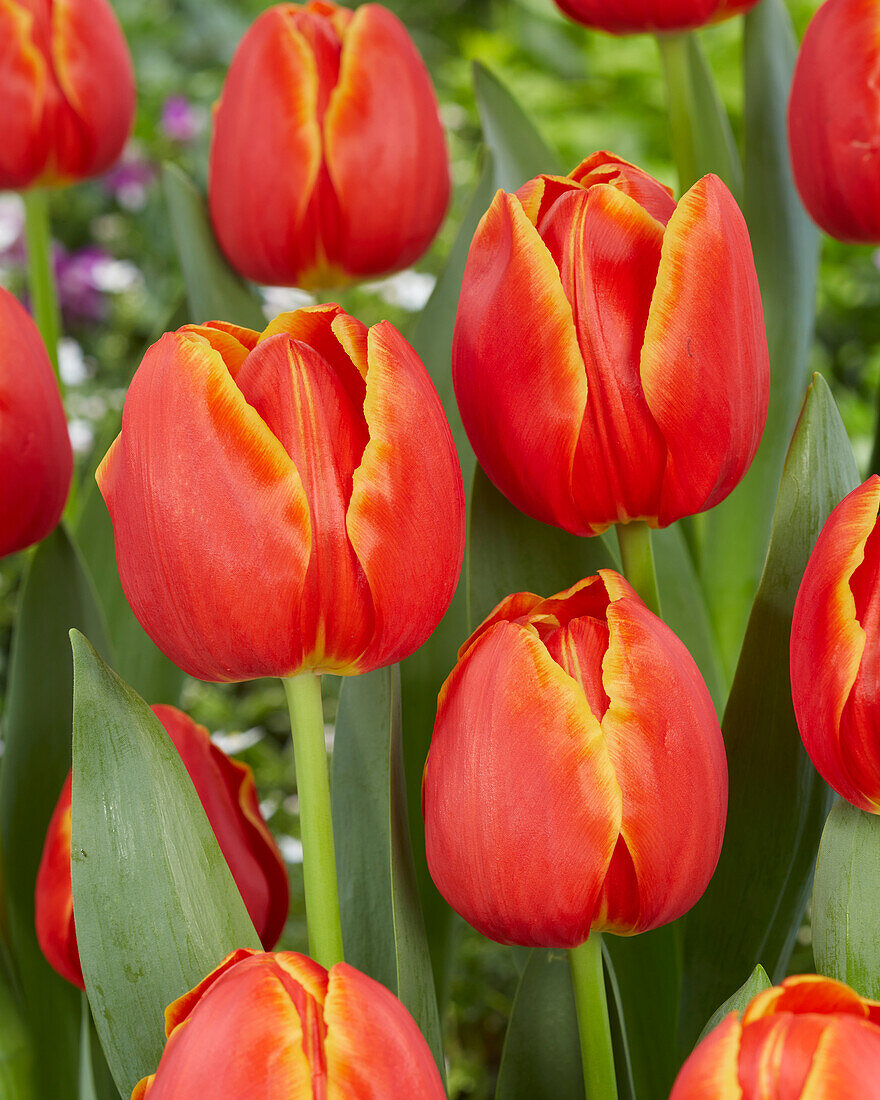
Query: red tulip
x,y
807,1039
610,360
634,16
229,798
576,779
36,461
832,120
285,501
281,1027
328,160
67,87
835,649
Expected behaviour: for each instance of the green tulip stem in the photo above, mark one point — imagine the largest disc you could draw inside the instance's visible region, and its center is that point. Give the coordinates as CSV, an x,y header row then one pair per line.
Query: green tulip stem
x,y
41,274
680,92
588,975
316,823
637,556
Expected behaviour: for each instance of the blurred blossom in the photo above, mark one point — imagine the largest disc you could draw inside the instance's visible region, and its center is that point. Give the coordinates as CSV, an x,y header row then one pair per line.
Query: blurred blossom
x,y
408,290
71,362
281,299
80,297
291,849
11,227
234,743
130,180
181,120
82,436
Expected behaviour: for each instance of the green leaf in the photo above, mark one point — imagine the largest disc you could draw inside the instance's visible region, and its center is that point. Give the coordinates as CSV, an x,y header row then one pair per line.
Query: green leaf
x,y
753,907
57,595
518,150
214,290
16,1049
756,983
382,926
156,906
846,918
785,244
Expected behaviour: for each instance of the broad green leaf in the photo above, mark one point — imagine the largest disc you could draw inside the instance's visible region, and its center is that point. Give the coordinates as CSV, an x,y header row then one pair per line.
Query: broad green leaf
x,y
214,290
57,595
16,1049
753,907
846,915
756,983
785,244
155,903
382,926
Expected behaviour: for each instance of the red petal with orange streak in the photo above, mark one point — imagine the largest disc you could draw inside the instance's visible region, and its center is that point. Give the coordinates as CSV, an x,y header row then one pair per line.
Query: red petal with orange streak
x,y
25,137
828,643
373,1047
384,147
267,147
178,1012
233,343
634,16
711,1072
808,993
211,520
604,167
517,368
846,1064
53,898
705,370
406,519
518,763
305,405
665,746
607,249
776,1055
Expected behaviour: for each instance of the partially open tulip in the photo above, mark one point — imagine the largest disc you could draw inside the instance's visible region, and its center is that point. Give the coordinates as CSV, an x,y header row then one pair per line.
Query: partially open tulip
x,y
576,779
229,798
281,1027
36,460
328,160
832,120
287,501
634,16
808,1039
67,87
835,649
610,360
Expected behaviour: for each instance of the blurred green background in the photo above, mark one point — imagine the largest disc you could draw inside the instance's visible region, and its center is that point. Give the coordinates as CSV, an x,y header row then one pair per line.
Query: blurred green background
x,y
120,283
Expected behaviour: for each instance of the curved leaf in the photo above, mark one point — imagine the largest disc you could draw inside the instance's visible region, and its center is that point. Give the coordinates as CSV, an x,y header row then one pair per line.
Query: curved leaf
x,y
756,983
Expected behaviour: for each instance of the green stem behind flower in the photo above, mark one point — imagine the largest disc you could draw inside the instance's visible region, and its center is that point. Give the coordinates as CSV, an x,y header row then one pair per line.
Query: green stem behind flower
x,y
588,975
637,556
316,822
676,66
41,273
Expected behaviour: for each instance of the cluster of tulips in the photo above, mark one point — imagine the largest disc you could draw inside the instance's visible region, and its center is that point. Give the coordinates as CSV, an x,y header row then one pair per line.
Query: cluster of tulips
x,y
290,503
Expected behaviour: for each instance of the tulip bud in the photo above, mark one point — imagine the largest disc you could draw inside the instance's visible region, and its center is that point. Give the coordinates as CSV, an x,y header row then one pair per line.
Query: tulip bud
x,y
36,460
808,1039
229,798
832,120
281,1027
68,91
610,360
835,649
287,501
635,16
576,779
328,160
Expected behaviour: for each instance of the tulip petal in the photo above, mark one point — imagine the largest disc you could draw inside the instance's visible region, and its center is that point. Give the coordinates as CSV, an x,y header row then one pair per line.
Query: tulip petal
x,y
25,138
635,16
516,361
711,1072
335,336
406,519
603,167
233,343
776,1055
54,895
809,993
194,455
705,370
845,1063
533,742
384,147
178,1011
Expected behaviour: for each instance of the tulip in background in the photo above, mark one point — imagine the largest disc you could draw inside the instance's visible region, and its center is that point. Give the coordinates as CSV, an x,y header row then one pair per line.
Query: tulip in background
x,y
832,120
328,160
634,16
807,1039
36,460
610,360
68,91
228,795
280,1027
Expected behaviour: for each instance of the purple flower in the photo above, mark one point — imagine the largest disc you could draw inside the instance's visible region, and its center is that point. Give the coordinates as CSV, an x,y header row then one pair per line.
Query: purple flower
x,y
181,120
130,179
79,291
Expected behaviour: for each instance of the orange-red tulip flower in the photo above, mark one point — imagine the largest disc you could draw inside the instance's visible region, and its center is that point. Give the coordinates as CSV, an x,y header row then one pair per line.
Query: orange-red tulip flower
x,y
36,460
610,360
67,86
634,16
576,779
287,501
807,1039
832,120
835,649
281,1027
328,160
228,795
